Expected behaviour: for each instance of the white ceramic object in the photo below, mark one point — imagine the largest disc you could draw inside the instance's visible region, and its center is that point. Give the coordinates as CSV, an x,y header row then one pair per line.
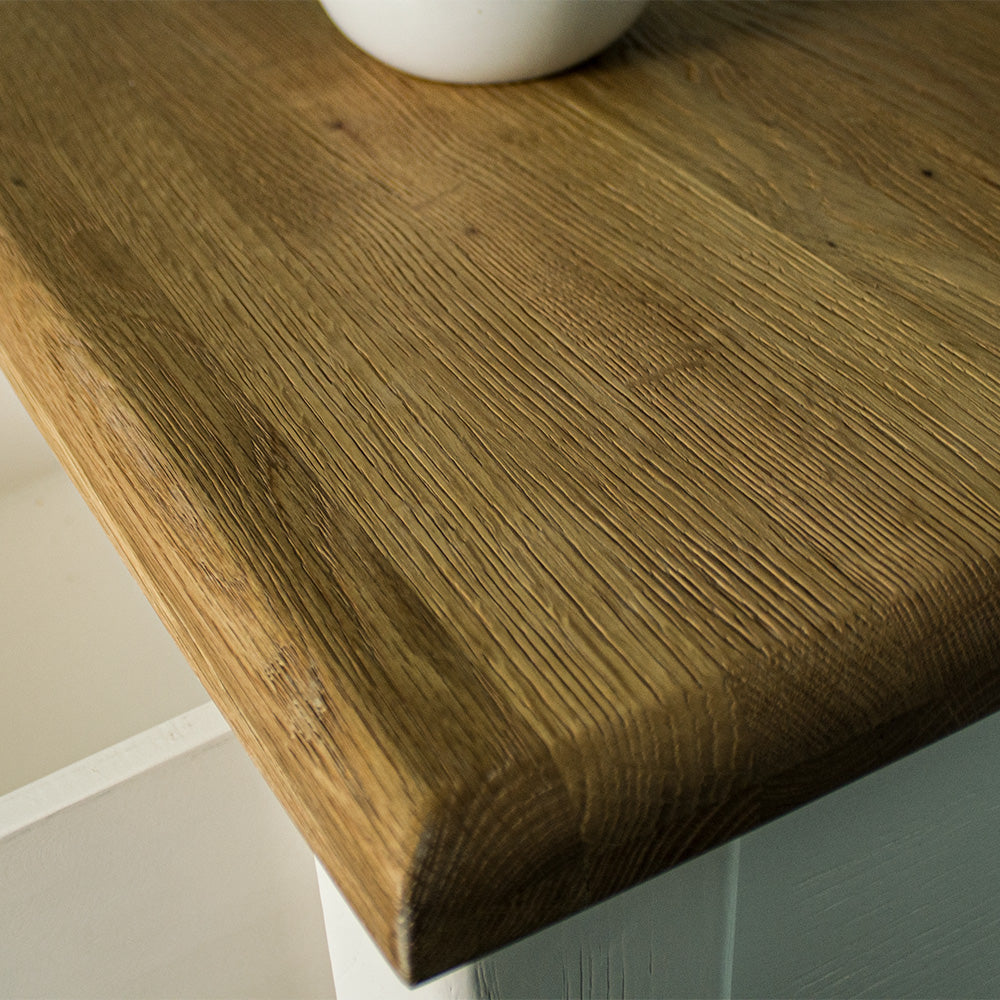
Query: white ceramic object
x,y
483,41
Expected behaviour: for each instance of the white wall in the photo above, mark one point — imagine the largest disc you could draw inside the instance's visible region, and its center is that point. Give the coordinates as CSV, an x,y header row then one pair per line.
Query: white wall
x,y
161,867
84,661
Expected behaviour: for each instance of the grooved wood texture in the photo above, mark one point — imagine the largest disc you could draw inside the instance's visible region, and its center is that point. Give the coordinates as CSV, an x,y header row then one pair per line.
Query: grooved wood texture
x,y
547,481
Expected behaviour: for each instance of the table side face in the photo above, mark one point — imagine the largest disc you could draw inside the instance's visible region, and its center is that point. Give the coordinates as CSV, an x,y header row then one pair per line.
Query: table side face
x,y
548,481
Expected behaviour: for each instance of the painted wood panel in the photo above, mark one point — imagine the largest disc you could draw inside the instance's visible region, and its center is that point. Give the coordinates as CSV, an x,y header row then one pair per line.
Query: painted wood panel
x,y
670,937
890,887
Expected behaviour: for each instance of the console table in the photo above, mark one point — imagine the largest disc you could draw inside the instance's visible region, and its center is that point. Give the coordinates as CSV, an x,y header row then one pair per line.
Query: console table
x,y
548,482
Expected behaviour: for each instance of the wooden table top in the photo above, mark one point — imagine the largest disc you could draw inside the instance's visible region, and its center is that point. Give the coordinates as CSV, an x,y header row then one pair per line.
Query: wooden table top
x,y
548,481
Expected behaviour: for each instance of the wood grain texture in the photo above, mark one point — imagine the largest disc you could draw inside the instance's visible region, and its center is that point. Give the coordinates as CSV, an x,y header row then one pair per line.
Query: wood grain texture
x,y
547,481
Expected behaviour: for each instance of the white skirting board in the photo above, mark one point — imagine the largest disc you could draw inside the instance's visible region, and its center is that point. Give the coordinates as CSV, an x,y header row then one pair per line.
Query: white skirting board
x,y
161,867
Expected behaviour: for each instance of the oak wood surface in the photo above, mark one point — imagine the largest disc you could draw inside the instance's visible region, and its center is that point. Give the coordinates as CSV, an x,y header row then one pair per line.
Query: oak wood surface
x,y
547,481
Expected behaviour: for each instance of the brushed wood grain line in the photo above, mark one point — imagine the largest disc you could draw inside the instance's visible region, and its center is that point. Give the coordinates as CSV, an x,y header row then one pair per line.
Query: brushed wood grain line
x,y
766,140
539,493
